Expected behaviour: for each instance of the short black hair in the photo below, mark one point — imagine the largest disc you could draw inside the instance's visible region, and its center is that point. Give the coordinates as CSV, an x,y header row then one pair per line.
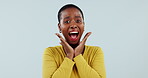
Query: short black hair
x,y
68,6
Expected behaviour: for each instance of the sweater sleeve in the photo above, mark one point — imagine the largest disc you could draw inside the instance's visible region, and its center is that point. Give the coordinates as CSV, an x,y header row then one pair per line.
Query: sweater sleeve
x,y
50,68
96,70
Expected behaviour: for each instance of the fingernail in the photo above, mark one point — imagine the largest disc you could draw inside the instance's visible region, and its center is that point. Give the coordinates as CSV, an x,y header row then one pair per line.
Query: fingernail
x,y
90,32
56,33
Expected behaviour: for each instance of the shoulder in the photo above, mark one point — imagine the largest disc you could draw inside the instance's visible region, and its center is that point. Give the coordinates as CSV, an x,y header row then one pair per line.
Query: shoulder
x,y
94,49
52,50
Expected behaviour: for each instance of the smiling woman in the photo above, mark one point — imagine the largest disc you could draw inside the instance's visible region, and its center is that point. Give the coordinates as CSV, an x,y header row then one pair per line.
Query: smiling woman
x,y
73,59
71,25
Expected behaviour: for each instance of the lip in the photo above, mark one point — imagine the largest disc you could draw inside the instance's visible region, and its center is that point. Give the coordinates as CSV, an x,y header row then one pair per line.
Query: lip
x,y
77,37
73,31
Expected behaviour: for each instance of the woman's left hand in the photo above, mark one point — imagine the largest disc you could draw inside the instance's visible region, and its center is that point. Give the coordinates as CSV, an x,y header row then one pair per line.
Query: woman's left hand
x,y
79,49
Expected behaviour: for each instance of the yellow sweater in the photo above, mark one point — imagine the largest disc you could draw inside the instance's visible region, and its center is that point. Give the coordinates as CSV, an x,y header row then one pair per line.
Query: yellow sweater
x,y
88,65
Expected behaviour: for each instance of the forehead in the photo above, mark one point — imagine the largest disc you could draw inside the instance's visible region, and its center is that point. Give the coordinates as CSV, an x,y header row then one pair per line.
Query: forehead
x,y
70,12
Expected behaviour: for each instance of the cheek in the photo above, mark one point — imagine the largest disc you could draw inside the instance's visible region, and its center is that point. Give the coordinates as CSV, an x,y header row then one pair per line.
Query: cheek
x,y
64,29
82,28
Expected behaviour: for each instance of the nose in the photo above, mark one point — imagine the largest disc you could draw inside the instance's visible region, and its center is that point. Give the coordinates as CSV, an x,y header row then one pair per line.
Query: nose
x,y
73,27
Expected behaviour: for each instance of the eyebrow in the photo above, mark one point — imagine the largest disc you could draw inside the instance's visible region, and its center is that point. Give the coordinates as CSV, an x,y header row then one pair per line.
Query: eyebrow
x,y
69,17
77,17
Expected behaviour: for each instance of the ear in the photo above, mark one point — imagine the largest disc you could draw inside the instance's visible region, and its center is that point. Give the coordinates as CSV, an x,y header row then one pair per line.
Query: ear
x,y
84,26
59,26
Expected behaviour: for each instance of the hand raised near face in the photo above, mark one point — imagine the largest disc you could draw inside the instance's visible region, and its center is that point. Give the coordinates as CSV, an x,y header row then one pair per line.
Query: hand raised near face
x,y
71,53
67,48
79,49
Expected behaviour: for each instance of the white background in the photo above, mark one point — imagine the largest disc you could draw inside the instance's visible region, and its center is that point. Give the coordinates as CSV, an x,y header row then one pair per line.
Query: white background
x,y
119,27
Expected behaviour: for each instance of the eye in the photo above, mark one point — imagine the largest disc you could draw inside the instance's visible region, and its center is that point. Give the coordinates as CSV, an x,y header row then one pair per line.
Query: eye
x,y
67,22
78,21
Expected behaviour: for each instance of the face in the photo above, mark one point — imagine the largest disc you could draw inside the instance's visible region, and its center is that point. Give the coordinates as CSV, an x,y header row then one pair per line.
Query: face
x,y
71,25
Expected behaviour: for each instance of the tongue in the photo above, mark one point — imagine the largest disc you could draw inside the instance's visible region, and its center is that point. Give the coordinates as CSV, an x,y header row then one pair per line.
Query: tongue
x,y
73,37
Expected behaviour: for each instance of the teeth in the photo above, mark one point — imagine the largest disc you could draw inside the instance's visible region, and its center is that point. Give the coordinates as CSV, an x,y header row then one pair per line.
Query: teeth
x,y
73,32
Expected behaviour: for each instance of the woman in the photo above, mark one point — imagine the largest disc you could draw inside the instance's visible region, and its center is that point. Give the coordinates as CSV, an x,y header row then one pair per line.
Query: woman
x,y
73,59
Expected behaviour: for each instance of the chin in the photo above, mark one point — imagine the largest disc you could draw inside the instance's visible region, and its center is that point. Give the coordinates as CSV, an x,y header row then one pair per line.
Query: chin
x,y
74,42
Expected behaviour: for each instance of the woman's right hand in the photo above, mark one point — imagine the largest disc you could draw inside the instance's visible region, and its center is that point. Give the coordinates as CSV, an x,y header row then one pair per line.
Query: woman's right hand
x,y
67,48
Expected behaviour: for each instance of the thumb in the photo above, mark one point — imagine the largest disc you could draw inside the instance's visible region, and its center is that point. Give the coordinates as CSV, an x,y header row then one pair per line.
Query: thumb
x,y
86,36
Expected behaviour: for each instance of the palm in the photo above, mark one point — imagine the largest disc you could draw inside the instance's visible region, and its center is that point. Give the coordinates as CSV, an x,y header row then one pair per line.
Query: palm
x,y
80,48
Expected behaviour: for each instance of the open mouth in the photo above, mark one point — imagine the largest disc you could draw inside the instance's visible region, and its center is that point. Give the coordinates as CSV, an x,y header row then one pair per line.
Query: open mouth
x,y
74,35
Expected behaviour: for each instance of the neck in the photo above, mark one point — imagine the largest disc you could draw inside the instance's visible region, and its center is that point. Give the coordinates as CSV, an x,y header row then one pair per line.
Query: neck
x,y
74,45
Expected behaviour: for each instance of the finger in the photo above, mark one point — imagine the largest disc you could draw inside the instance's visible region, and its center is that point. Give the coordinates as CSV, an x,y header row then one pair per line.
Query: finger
x,y
61,38
63,41
63,46
86,36
59,35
